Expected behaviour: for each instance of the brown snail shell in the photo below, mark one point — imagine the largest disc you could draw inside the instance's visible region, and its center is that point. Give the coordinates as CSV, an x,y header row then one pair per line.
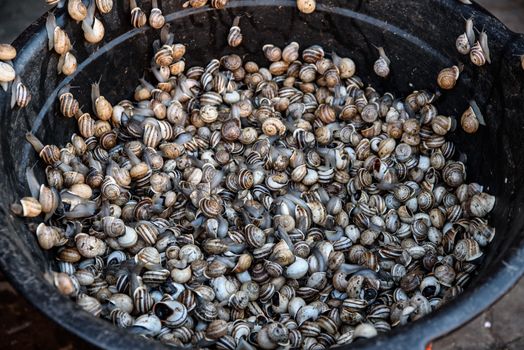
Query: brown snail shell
x,y
77,10
447,78
219,4
104,6
273,126
469,121
68,105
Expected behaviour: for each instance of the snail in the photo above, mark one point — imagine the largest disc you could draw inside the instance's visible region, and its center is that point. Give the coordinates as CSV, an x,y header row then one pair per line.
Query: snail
x,y
306,6
104,6
234,38
381,65
77,10
93,28
138,17
156,19
447,78
469,121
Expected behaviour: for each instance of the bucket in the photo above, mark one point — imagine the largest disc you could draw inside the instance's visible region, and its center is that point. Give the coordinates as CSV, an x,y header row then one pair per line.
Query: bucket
x,y
419,38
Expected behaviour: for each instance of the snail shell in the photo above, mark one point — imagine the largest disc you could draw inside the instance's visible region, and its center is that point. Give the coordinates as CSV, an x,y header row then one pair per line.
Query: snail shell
x,y
7,52
447,78
67,64
7,73
234,38
61,41
272,52
77,10
290,52
219,4
326,113
89,304
156,18
164,56
306,6
313,54
21,95
171,312
217,329
138,17
89,246
467,250
93,33
104,6
462,44
273,126
469,121
477,55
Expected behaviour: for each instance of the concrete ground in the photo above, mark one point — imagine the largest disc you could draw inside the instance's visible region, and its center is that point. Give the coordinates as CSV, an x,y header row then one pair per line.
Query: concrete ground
x,y
22,327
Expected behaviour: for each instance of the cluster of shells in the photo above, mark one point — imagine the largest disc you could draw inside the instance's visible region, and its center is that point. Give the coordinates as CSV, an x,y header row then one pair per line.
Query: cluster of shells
x,y
20,95
235,205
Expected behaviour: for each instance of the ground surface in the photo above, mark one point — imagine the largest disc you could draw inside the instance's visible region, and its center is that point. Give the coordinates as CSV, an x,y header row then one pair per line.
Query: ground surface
x,y
23,328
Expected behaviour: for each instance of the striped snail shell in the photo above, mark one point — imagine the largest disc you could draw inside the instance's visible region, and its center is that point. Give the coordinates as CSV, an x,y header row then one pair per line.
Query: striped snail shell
x,y
234,38
138,17
20,95
156,18
104,6
477,55
219,4
462,44
381,65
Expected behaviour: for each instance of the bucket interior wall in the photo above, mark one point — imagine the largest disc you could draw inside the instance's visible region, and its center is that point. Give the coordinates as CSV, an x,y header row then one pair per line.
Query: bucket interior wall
x,y
419,39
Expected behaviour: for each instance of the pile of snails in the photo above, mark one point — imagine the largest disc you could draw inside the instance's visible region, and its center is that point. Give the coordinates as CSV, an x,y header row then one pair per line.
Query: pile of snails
x,y
236,205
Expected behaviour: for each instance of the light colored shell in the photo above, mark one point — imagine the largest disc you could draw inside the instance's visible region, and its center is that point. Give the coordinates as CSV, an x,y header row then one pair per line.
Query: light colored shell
x,y
477,55
7,52
104,6
7,73
462,44
447,78
306,6
89,246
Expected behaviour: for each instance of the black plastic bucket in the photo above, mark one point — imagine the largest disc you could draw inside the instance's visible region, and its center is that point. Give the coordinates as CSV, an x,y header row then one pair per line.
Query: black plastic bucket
x,y
419,37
